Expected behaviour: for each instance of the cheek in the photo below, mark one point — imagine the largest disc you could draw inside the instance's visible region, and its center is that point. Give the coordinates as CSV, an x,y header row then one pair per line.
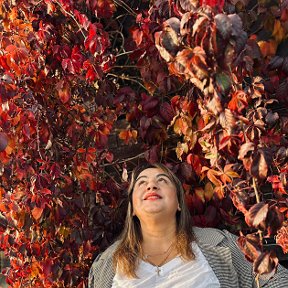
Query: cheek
x,y
174,197
135,199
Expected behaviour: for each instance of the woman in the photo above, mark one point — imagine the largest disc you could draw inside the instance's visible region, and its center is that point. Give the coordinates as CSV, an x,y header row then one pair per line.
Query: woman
x,y
158,248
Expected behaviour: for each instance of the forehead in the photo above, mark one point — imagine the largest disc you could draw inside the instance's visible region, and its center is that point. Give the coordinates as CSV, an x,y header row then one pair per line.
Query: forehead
x,y
152,172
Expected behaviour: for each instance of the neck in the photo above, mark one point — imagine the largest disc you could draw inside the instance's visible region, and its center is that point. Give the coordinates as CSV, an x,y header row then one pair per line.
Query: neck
x,y
158,236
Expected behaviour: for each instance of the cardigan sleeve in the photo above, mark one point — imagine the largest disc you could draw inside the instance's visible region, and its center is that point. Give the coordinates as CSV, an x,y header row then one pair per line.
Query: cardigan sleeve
x,y
101,273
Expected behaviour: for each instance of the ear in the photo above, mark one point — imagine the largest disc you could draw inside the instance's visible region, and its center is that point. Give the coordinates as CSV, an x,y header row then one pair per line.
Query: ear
x,y
179,208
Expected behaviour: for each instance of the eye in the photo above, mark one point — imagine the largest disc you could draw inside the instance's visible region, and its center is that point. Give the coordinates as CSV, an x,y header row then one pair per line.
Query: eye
x,y
141,182
162,179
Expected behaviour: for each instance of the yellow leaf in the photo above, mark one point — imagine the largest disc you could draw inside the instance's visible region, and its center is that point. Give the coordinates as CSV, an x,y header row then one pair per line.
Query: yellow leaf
x,y
200,193
208,191
35,269
278,31
180,126
180,149
232,174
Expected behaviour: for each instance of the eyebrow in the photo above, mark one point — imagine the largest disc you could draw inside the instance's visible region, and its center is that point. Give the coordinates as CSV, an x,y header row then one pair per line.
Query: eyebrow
x,y
157,176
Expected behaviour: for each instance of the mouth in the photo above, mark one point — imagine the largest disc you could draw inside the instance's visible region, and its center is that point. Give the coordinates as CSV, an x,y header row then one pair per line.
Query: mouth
x,y
152,196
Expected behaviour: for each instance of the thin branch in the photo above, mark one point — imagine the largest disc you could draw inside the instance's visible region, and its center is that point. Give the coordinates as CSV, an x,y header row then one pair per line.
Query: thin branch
x,y
256,190
125,6
123,160
72,16
124,66
125,53
127,78
258,201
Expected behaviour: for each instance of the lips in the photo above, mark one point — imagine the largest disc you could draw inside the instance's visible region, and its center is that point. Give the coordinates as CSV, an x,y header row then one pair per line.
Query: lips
x,y
152,196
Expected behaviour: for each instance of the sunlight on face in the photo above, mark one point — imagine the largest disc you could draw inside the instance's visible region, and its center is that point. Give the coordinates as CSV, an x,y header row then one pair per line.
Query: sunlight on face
x,y
154,193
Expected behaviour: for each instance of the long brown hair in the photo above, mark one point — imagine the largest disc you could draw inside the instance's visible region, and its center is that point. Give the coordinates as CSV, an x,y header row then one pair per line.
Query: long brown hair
x,y
126,256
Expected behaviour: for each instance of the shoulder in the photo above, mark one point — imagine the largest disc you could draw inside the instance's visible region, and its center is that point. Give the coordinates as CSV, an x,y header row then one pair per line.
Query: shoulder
x,y
108,253
212,236
101,272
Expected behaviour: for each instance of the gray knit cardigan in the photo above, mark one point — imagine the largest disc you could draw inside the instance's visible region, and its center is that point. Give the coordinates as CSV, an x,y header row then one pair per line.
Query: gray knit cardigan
x,y
222,253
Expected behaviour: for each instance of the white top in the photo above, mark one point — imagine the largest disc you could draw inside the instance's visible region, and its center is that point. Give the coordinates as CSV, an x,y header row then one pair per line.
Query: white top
x,y
175,273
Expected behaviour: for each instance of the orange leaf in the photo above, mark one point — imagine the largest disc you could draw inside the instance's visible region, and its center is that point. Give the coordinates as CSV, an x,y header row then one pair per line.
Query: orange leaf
x,y
128,135
268,48
225,178
211,174
219,191
37,213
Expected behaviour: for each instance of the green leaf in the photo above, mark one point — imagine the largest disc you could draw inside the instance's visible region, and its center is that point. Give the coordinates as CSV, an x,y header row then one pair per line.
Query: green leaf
x,y
223,82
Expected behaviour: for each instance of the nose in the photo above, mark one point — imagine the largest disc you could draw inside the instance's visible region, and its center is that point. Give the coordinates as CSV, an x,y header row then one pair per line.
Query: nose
x,y
152,185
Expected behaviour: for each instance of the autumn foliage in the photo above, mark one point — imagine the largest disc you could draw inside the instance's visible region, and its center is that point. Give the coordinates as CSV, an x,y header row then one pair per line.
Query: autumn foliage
x,y
199,85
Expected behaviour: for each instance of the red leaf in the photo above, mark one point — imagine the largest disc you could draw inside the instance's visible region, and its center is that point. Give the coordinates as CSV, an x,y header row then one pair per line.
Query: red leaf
x,y
150,105
83,19
274,220
93,72
277,185
250,246
266,264
102,8
213,3
152,155
261,162
137,35
167,112
238,101
195,203
282,238
97,40
245,149
109,157
63,91
256,216
194,161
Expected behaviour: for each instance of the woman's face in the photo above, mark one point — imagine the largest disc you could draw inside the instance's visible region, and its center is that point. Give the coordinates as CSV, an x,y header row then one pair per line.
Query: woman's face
x,y
154,193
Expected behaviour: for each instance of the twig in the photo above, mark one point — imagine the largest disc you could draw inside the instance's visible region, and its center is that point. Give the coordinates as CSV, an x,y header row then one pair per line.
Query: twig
x,y
72,16
124,66
256,190
123,160
125,6
125,53
258,201
127,78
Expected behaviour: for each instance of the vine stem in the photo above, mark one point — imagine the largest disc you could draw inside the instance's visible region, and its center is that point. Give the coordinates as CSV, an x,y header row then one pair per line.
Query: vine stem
x,y
259,231
72,16
124,160
256,190
258,201
127,78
